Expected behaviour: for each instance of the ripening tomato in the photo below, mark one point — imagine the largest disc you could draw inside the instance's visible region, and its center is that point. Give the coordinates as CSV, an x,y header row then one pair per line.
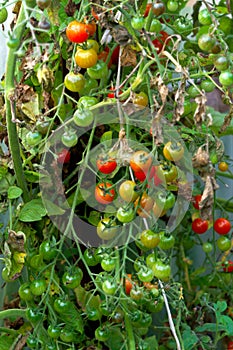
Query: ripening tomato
x,y
128,283
196,201
200,226
106,164
85,58
128,191
63,157
230,345
74,81
77,32
140,161
228,266
104,192
223,166
158,8
90,28
140,99
149,239
206,42
173,151
144,205
222,226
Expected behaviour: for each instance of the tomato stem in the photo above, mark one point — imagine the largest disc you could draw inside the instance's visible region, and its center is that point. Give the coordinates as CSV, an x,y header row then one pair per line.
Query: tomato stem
x,y
12,313
10,107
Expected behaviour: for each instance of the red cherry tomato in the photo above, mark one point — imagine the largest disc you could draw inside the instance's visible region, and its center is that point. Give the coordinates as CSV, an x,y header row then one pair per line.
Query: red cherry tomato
x,y
63,156
228,266
199,226
77,32
128,283
196,201
104,193
106,164
222,226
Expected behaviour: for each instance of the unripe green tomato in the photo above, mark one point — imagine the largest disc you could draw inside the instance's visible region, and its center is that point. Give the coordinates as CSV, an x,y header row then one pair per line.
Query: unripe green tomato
x,y
207,247
83,117
226,78
207,85
223,243
138,22
3,15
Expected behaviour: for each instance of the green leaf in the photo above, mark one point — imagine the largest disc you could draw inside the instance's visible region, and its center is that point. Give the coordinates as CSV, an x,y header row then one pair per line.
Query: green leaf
x,y
32,211
32,176
220,306
116,340
218,120
106,138
53,209
6,342
14,192
228,323
94,217
210,327
190,339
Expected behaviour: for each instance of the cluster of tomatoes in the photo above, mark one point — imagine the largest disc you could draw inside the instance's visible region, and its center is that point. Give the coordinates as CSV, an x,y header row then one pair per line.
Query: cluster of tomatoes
x,y
144,194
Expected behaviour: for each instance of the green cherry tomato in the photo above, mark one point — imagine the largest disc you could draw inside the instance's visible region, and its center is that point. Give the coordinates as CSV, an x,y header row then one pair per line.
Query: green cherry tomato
x,y
98,71
109,286
223,243
137,295
206,42
87,101
193,91
3,15
69,138
42,125
106,229
167,240
74,81
207,247
67,335
221,63
145,274
226,78
204,17
165,199
72,279
102,333
89,257
106,309
32,341
161,270
155,26
34,315
62,305
108,263
168,171
149,239
150,260
93,314
125,214
25,292
38,286
83,117
183,25
47,251
54,331
138,22
13,43
207,85
33,138
172,6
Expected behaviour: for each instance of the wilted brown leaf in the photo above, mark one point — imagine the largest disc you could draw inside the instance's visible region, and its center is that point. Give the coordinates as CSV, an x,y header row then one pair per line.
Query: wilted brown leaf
x,y
201,158
227,120
128,57
200,112
207,198
121,35
179,99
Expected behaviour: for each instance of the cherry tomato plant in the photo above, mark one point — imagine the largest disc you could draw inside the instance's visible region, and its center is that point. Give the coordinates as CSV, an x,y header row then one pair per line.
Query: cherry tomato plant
x,y
114,234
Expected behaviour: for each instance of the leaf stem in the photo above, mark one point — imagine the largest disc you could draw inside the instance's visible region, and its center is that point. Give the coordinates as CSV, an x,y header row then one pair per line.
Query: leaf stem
x,y
9,92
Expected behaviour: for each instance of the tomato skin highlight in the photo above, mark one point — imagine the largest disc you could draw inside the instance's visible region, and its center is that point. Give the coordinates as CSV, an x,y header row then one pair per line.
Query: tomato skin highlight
x,y
222,226
199,226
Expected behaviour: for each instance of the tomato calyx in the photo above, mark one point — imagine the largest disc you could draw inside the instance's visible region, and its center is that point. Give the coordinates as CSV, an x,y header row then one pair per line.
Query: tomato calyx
x,y
104,192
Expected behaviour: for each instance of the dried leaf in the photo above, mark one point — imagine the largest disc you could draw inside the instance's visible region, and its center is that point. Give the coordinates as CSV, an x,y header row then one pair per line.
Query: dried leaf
x,y
201,158
179,99
121,35
200,112
128,57
207,199
227,120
